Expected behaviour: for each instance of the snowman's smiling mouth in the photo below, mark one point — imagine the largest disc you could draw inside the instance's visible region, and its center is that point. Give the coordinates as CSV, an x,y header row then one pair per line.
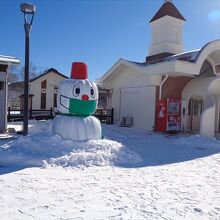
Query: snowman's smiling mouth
x,y
64,100
77,106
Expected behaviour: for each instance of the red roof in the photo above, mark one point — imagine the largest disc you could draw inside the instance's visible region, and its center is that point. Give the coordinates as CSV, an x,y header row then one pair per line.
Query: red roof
x,y
168,8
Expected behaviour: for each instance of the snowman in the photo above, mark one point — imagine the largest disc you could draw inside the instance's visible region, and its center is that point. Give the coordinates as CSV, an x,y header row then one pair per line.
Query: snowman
x,y
77,99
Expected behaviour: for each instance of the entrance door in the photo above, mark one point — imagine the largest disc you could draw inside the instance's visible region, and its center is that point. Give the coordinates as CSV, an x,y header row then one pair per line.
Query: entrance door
x,y
196,112
2,106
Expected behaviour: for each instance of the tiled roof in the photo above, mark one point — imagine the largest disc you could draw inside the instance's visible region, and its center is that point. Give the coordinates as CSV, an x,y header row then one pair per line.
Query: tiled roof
x,y
47,71
190,56
157,57
168,8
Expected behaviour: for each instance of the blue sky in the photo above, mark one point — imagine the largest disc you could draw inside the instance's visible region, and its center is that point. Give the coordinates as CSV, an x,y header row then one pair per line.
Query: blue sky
x,y
98,32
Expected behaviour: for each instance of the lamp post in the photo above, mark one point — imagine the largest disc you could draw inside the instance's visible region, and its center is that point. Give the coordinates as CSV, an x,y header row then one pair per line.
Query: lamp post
x,y
28,11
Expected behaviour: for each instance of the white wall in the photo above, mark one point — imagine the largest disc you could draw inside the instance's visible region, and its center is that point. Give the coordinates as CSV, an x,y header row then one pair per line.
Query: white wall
x,y
166,36
207,125
209,89
132,96
195,88
53,80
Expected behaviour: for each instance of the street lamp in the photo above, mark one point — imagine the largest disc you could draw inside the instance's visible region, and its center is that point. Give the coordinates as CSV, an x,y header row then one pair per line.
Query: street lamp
x,y
28,10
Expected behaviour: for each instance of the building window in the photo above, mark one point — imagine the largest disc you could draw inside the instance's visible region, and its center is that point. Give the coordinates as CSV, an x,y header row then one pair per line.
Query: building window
x,y
43,94
55,100
206,70
55,97
44,84
1,86
43,100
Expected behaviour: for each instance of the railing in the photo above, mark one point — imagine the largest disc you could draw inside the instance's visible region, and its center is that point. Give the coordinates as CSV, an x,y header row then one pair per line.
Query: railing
x,y
37,114
104,115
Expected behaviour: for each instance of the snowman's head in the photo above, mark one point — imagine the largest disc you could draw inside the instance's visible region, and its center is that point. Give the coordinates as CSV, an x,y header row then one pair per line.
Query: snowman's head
x,y
77,96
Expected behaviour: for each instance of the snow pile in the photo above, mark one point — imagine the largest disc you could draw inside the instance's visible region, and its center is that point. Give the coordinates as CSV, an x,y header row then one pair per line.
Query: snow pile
x,y
42,148
100,153
198,142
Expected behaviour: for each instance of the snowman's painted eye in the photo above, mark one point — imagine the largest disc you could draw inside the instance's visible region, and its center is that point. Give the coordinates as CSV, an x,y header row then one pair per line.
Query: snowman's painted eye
x,y
92,91
76,91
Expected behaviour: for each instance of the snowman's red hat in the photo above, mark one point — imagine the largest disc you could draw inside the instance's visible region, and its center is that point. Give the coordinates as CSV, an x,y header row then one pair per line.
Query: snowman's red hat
x,y
79,71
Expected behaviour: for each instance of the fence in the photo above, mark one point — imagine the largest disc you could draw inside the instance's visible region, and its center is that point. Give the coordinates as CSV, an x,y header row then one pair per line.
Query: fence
x,y
17,115
104,115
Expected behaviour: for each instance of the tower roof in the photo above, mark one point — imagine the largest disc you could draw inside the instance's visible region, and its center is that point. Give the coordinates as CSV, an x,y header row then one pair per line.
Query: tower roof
x,y
168,8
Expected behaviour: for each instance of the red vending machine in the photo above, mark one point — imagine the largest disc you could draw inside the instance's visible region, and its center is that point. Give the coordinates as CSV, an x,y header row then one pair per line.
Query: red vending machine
x,y
168,115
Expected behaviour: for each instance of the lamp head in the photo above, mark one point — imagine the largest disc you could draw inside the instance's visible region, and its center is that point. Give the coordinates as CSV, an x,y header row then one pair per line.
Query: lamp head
x,y
28,8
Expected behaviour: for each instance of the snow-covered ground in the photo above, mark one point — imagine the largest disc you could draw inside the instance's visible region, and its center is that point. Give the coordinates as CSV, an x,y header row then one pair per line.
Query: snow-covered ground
x,y
131,174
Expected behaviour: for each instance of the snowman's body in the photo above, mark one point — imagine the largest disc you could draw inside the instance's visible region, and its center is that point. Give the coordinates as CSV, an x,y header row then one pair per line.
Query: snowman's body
x,y
77,128
76,101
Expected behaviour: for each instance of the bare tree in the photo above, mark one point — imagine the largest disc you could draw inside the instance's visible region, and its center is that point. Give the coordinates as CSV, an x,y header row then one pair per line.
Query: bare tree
x,y
12,75
16,73
16,83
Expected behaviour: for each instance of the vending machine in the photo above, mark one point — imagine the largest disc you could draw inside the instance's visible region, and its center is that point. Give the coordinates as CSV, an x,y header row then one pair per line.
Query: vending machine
x,y
168,115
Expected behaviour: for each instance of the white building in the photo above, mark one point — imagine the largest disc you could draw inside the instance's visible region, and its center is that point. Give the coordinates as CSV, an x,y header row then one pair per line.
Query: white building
x,y
42,91
168,73
5,63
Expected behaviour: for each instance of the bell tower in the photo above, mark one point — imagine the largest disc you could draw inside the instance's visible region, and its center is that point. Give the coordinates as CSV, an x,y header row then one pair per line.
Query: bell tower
x,y
167,25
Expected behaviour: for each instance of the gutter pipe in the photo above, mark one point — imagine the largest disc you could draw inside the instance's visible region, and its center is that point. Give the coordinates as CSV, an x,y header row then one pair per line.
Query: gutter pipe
x,y
160,87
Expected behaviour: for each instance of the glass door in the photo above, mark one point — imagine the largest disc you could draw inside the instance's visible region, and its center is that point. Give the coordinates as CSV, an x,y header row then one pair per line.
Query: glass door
x,y
196,112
